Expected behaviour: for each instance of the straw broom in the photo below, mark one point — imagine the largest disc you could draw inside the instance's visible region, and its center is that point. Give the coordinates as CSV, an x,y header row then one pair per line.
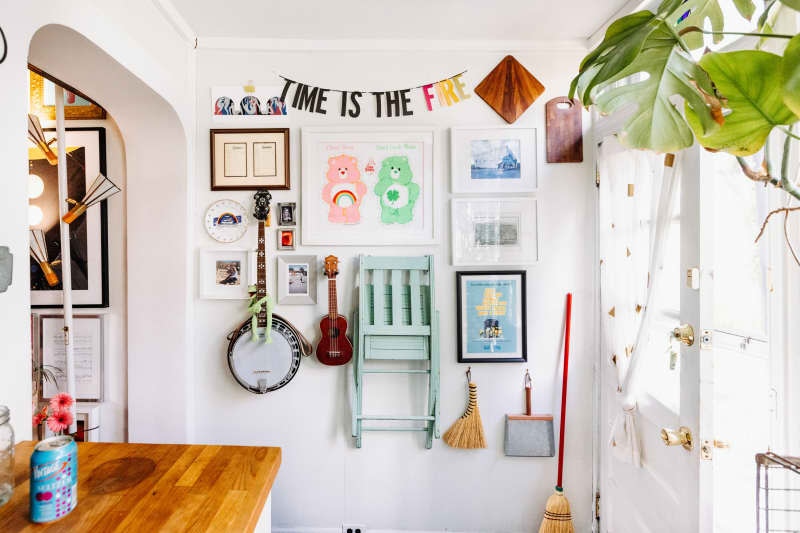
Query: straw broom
x,y
467,431
557,518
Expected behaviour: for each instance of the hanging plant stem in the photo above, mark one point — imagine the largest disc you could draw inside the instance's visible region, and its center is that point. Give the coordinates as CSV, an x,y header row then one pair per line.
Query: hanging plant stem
x,y
691,29
786,183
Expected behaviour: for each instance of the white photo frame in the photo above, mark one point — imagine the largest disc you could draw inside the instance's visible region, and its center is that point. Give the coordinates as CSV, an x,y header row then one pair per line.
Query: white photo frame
x,y
501,232
88,337
356,212
226,273
494,160
294,287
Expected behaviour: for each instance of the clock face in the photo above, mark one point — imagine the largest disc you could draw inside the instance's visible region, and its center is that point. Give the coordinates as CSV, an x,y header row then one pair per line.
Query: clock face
x,y
226,221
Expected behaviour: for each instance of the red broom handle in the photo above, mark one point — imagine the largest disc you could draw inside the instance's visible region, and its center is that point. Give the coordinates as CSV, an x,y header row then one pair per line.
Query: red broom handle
x,y
564,393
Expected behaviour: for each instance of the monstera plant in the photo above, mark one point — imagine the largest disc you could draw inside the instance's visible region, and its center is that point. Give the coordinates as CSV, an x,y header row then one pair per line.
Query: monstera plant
x,y
727,101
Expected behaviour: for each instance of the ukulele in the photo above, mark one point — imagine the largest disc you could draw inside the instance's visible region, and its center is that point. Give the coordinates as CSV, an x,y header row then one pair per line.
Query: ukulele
x,y
334,348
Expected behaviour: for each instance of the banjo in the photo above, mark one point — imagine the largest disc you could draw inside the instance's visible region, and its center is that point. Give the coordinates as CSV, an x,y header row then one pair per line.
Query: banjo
x,y
264,352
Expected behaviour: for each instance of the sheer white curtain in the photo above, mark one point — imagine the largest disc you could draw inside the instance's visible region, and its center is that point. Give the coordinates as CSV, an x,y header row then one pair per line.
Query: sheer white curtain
x,y
637,191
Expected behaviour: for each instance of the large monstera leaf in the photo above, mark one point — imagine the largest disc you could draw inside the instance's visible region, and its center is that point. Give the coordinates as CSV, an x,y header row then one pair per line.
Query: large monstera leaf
x,y
656,124
750,81
695,13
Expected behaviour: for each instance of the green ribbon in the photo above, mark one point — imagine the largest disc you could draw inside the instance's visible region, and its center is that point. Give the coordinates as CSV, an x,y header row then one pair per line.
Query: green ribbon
x,y
254,308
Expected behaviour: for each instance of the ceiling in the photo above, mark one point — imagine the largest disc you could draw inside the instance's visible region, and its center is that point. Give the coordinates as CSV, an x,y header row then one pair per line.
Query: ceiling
x,y
478,20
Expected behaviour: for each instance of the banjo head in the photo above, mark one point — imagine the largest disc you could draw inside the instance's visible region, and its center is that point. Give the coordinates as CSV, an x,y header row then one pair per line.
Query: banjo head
x,y
259,367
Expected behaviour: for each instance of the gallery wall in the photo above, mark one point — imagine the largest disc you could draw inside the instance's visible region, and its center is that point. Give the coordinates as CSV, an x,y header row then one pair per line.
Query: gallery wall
x,y
393,482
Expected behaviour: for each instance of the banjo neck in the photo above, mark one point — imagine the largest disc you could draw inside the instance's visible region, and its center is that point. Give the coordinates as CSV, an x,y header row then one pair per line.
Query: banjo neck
x,y
261,269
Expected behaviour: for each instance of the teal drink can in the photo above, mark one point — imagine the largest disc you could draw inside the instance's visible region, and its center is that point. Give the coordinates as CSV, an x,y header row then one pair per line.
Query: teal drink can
x,y
54,478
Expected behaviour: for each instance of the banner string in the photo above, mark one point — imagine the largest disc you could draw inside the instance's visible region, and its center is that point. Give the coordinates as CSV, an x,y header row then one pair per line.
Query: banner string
x,y
367,92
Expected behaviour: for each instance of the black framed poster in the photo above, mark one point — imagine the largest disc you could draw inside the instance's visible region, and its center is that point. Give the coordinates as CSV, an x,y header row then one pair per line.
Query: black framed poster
x,y
88,233
492,325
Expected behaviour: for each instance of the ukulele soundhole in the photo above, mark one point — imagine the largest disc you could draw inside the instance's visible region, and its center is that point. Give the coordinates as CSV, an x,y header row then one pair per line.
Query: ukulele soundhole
x,y
333,333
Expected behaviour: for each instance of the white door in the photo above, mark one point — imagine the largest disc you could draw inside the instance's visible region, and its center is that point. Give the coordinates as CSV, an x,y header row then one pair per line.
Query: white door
x,y
672,490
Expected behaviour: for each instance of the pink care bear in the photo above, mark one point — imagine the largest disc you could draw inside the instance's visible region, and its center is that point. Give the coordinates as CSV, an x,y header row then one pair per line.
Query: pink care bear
x,y
344,190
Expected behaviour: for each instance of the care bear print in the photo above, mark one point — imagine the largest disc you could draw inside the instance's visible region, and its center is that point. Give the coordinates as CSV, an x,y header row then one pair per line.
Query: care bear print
x,y
396,191
344,191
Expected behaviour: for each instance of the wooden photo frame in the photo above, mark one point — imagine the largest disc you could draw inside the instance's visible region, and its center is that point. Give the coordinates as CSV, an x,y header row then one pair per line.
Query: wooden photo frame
x,y
250,159
492,318
77,106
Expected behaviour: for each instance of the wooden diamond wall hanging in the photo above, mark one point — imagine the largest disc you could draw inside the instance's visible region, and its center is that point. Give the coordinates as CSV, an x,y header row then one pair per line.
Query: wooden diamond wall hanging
x,y
509,89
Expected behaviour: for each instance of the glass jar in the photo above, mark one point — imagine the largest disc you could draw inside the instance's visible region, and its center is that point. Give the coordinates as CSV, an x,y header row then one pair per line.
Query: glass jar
x,y
6,456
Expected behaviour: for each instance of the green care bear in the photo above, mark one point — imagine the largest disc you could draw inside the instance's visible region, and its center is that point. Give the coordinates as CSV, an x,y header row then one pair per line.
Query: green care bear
x,y
396,191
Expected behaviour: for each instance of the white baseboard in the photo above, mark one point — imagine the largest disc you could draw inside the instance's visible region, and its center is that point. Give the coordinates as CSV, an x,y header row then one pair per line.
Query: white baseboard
x,y
369,530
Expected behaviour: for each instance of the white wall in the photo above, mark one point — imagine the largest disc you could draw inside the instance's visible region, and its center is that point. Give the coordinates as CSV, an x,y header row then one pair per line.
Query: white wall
x,y
393,482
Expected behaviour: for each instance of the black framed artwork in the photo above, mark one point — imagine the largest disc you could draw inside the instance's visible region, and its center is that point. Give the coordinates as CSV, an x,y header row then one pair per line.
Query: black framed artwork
x,y
492,326
88,234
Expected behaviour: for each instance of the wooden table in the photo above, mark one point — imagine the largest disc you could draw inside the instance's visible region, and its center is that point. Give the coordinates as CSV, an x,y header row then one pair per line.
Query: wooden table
x,y
155,487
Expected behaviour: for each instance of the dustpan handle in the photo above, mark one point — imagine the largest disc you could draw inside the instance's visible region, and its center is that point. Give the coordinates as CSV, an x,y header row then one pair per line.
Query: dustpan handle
x,y
562,427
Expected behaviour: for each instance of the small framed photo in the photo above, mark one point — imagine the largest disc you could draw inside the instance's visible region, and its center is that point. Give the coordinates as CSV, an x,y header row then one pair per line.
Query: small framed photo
x,y
492,325
502,232
287,214
249,159
297,279
286,239
225,274
494,160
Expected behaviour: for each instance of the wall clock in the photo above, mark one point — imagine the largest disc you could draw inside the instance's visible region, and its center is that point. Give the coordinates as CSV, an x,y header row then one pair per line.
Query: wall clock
x,y
226,221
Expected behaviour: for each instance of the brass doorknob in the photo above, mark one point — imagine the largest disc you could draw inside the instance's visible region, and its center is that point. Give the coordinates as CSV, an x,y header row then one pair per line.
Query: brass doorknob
x,y
681,437
684,333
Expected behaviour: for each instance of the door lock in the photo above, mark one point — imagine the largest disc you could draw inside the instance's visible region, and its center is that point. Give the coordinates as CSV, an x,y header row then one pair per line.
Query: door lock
x,y
681,437
684,333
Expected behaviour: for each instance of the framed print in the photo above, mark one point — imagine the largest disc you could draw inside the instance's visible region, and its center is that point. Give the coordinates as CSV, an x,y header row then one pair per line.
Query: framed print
x,y
88,337
88,234
286,239
226,273
495,160
77,106
495,232
250,159
491,317
368,186
287,214
297,279
232,103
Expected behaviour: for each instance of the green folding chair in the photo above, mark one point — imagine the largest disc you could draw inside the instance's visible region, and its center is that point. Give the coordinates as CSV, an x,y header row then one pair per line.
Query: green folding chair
x,y
396,319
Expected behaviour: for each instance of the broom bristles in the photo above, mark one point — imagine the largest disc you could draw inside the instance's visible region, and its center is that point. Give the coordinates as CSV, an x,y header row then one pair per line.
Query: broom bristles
x,y
467,431
557,518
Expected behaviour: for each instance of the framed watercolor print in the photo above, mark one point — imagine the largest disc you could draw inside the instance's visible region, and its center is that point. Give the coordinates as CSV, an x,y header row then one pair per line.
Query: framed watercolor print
x,y
89,348
88,234
297,279
368,186
491,317
287,214
250,159
494,160
77,106
502,232
226,273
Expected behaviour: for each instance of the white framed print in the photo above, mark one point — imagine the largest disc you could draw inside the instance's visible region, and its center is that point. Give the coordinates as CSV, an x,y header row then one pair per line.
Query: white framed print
x,y
297,279
495,160
368,186
501,232
88,334
226,273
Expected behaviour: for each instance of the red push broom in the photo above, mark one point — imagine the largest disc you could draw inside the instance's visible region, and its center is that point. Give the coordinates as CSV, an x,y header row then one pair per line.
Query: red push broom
x,y
557,518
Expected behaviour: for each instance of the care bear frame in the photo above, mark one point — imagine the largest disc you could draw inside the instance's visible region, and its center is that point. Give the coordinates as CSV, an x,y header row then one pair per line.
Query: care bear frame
x,y
369,186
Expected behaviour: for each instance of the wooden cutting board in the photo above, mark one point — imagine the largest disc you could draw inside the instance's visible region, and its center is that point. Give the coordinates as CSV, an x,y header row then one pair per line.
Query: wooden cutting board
x,y
564,130
154,487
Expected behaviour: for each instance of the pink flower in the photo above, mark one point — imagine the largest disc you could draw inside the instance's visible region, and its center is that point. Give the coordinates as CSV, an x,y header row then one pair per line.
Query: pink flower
x,y
38,418
61,401
59,420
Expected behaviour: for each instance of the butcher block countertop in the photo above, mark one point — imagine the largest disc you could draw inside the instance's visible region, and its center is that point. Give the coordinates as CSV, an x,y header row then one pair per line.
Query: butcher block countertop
x,y
155,487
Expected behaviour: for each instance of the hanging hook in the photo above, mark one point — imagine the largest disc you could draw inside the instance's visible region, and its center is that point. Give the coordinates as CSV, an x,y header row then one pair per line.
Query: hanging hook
x,y
469,374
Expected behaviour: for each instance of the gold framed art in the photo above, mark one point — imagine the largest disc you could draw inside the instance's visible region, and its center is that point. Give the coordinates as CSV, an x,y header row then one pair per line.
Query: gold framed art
x,y
249,159
77,106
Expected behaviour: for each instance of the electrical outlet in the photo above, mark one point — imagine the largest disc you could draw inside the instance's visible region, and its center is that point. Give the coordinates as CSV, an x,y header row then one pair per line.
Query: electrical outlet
x,y
354,528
